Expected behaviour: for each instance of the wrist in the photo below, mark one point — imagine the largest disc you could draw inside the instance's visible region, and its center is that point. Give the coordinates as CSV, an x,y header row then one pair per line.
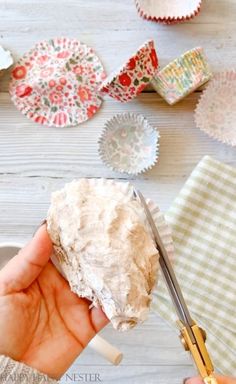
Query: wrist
x,y
15,371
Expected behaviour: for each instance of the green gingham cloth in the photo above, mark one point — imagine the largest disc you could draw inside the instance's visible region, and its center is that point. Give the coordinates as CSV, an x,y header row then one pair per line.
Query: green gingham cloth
x,y
203,223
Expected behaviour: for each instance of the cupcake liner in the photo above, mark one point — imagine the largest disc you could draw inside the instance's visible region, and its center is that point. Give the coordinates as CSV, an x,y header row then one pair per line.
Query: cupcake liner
x,y
56,82
168,12
182,76
132,77
129,144
6,60
215,113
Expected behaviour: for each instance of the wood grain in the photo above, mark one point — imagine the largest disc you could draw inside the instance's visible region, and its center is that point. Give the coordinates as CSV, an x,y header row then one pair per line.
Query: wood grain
x,y
36,160
73,152
106,25
159,357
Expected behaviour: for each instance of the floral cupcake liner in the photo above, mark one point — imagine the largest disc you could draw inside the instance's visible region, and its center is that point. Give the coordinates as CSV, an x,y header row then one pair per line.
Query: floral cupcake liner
x,y
56,82
129,144
132,77
168,12
182,76
6,60
215,113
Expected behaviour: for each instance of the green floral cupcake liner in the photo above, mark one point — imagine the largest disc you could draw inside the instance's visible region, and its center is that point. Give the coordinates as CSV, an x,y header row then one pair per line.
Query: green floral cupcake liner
x,y
129,144
182,76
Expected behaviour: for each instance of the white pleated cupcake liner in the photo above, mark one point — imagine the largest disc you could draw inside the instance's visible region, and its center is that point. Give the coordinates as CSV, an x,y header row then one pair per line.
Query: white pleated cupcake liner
x,y
6,60
129,144
215,113
168,12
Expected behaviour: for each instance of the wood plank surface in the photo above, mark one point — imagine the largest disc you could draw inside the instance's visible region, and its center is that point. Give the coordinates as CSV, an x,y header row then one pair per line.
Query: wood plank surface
x,y
36,160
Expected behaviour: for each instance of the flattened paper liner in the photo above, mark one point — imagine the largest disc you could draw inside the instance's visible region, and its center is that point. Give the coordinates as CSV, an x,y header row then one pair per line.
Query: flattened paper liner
x,y
56,82
168,12
129,144
215,113
132,77
182,76
6,60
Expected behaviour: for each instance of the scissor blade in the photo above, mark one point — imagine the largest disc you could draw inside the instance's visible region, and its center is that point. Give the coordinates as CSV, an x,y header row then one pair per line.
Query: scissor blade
x,y
168,272
190,332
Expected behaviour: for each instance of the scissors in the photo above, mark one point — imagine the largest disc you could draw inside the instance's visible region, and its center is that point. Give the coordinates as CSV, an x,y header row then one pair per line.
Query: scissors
x,y
191,335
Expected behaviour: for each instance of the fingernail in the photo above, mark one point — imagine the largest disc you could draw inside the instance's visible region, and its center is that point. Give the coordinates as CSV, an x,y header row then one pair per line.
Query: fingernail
x,y
186,380
40,225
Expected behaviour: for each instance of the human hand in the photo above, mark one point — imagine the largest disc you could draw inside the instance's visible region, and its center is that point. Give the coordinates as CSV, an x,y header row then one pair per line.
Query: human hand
x,y
43,324
220,380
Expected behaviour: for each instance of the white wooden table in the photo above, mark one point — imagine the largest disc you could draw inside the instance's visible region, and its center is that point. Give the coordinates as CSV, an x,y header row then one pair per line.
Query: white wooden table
x,y
36,160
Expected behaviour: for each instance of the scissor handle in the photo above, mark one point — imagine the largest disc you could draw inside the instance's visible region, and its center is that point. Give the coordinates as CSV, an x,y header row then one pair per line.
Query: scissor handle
x,y
198,352
210,380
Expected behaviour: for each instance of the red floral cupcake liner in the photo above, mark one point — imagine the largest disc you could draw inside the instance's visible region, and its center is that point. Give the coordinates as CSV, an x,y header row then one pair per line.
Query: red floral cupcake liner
x,y
56,82
168,12
130,79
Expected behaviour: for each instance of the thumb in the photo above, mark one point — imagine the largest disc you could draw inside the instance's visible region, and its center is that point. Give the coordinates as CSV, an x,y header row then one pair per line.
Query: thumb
x,y
25,267
220,380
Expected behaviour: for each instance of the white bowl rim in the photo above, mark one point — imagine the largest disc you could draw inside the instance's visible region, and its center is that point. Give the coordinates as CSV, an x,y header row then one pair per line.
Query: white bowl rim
x,y
11,245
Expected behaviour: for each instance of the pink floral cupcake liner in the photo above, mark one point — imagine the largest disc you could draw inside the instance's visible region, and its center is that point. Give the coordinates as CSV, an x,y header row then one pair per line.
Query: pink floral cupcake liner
x,y
130,79
168,12
215,113
129,144
56,82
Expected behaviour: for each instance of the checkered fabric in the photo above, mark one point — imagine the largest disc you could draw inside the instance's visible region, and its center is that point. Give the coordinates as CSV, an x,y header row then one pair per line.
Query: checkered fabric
x,y
203,222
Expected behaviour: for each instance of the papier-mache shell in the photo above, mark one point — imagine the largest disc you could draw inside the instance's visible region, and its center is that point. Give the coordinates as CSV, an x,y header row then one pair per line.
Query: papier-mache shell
x,y
100,270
